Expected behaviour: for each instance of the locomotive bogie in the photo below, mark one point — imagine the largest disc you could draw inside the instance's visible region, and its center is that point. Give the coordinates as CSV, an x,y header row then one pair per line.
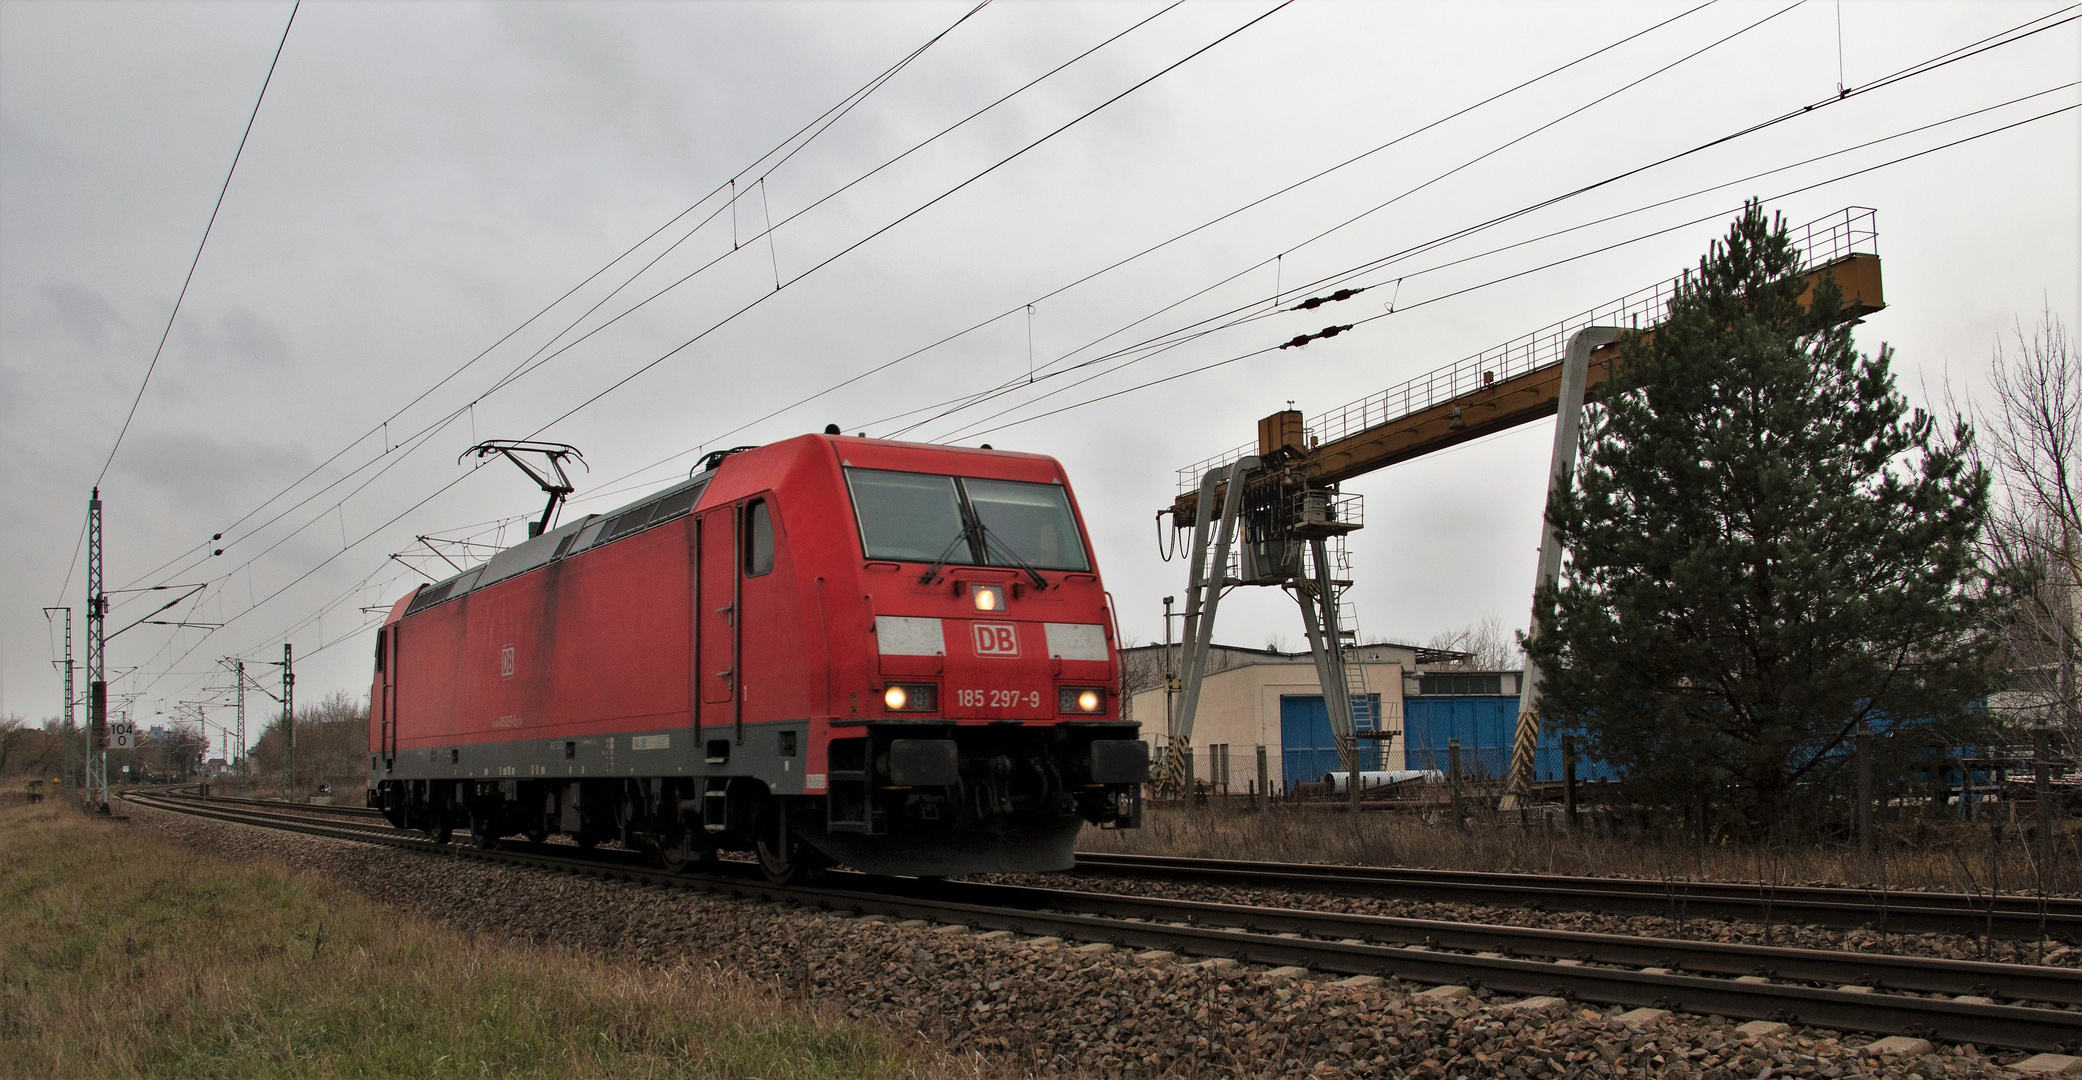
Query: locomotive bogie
x,y
892,656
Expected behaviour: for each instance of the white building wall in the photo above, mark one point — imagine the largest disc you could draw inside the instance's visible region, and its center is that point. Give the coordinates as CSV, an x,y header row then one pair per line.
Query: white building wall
x,y
1240,709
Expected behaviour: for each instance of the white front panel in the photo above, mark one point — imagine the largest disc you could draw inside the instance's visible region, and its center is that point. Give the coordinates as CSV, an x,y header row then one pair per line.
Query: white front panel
x,y
896,635
1076,641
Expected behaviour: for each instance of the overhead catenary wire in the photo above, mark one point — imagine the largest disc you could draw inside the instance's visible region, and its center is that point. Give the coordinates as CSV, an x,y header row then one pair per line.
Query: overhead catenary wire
x,y
856,245
412,442
1508,277
1144,350
186,280
506,380
207,228
542,356
1537,269
1167,242
794,143
1425,301
1983,45
908,215
1278,258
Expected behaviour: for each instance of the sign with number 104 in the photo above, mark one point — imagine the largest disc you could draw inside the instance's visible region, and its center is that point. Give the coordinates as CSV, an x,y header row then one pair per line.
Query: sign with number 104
x,y
122,735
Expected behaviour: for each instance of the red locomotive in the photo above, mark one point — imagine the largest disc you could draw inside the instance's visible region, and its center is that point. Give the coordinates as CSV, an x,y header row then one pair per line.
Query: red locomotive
x,y
890,655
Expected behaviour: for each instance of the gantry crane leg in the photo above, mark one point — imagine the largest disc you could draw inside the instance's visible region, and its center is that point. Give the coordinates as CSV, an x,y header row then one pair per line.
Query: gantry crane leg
x,y
1203,598
1568,423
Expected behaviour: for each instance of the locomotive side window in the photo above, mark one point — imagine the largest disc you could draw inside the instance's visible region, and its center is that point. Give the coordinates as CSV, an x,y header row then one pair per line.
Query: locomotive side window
x,y
759,539
911,517
1031,520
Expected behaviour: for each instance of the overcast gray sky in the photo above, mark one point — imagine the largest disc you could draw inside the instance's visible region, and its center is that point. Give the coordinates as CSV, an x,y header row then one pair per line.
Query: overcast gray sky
x,y
423,178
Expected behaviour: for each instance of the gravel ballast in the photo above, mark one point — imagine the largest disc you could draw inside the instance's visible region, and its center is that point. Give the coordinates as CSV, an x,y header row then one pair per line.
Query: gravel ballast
x,y
1060,1008
1794,935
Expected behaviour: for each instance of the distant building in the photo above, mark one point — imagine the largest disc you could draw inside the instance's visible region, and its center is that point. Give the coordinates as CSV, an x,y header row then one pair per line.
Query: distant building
x,y
1266,698
1425,698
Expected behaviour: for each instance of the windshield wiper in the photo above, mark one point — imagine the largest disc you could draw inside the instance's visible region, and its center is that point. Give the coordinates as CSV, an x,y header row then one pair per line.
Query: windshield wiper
x,y
990,538
933,571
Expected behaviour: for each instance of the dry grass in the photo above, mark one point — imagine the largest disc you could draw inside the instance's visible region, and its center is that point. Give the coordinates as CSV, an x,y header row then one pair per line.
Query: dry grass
x,y
1948,856
121,956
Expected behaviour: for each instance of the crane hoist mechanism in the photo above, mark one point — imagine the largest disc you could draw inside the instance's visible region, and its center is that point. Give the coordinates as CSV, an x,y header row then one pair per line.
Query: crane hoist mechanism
x,y
1275,516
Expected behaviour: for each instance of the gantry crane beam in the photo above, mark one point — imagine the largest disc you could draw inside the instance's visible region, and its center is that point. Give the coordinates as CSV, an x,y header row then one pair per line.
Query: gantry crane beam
x,y
1491,406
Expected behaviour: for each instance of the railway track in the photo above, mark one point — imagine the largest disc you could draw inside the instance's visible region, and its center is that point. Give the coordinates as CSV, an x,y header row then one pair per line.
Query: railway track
x,y
2025,917
2016,917
1876,994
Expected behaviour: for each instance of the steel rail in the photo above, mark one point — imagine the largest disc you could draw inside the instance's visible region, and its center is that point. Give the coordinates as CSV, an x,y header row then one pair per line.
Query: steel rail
x,y
1908,974
1905,912
347,811
2014,1026
1885,911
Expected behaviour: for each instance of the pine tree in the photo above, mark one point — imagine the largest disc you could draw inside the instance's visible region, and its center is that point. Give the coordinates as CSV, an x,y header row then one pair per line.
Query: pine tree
x,y
1765,547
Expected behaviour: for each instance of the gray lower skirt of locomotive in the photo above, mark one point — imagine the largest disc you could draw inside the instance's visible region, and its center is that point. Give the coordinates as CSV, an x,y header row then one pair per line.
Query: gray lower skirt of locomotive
x,y
770,753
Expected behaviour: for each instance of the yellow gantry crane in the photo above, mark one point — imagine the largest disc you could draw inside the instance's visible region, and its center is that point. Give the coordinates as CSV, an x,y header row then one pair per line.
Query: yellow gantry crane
x,y
1277,504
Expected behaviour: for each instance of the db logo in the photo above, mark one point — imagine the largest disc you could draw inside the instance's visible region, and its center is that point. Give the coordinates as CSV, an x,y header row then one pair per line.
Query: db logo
x,y
996,639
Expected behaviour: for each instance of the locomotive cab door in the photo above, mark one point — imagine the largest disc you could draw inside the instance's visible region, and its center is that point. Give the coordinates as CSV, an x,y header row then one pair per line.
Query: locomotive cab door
x,y
719,595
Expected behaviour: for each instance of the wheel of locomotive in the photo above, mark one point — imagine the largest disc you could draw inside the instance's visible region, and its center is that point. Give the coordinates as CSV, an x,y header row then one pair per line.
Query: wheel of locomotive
x,y
686,853
793,863
483,833
536,835
440,823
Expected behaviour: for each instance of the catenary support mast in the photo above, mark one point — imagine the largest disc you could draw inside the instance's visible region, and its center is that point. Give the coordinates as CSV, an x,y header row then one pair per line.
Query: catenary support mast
x,y
97,683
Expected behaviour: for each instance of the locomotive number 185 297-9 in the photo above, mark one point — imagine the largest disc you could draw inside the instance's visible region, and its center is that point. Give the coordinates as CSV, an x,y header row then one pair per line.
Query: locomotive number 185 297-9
x,y
997,699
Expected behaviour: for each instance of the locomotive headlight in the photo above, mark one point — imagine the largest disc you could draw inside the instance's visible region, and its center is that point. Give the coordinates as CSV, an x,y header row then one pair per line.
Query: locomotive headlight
x,y
988,597
910,697
1080,699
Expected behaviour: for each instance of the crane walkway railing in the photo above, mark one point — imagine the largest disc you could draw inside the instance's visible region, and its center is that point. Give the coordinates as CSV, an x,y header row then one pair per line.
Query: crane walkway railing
x,y
1824,241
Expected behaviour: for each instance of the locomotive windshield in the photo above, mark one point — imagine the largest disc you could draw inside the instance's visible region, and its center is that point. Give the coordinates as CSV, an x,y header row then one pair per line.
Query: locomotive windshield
x,y
918,517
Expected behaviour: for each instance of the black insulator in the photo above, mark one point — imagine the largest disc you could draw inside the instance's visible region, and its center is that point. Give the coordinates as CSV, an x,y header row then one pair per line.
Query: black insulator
x,y
831,429
1298,341
219,551
1315,302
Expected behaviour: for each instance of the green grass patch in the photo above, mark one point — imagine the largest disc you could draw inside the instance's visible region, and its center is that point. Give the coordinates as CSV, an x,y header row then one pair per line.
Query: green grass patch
x,y
123,955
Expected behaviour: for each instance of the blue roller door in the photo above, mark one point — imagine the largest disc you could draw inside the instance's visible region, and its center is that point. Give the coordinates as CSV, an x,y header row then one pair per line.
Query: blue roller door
x,y
1485,726
1307,748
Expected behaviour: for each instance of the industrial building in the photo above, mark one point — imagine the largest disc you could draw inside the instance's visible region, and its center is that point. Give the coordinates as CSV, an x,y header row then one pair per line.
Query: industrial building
x,y
1269,700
